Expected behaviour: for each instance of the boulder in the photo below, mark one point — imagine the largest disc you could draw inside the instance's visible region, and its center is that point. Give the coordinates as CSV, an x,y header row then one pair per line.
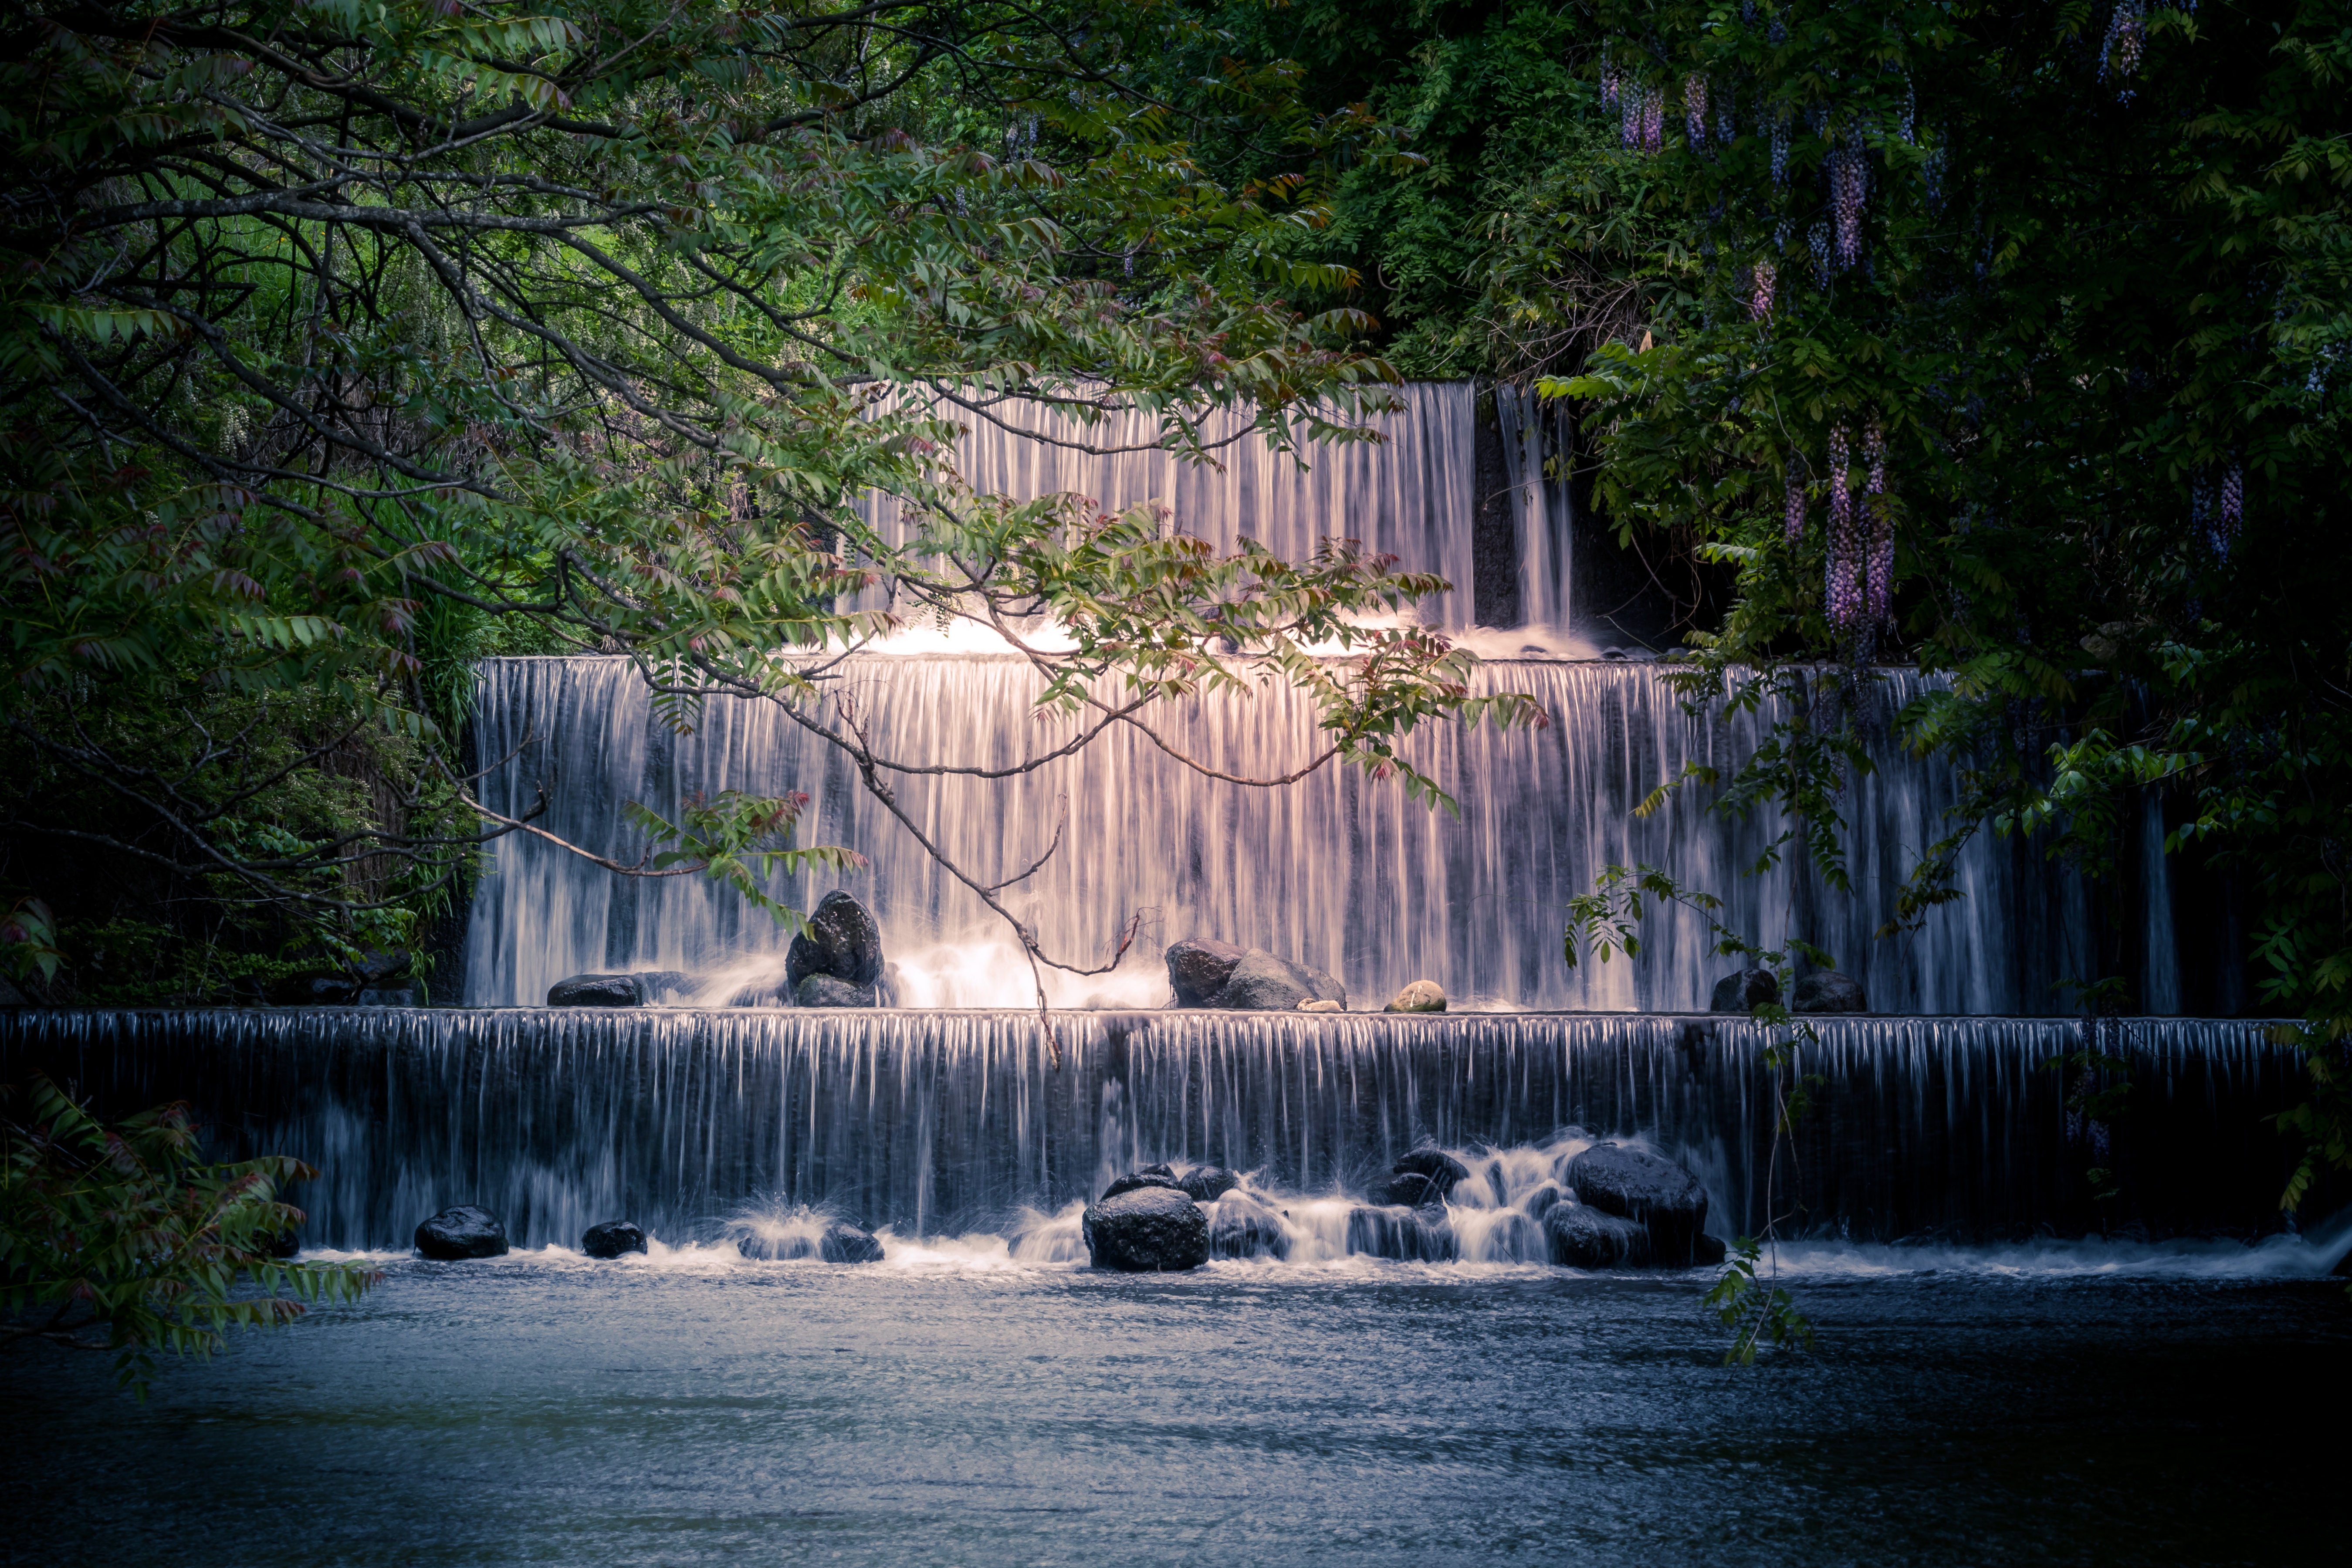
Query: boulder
x,y
1146,1230
1582,1237
463,1232
1207,1184
1261,982
1708,1251
1425,1176
597,991
1829,992
1241,1227
832,991
1421,996
1648,1190
1406,1235
842,941
1198,968
1744,992
1149,1176
845,1243
1321,1007
612,1239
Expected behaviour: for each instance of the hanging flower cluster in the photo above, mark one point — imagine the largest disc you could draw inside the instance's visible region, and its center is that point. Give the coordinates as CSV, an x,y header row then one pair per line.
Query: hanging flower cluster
x,y
1844,585
2127,37
2233,509
1818,237
1727,125
1849,183
1881,574
1641,115
1760,296
1781,151
1906,117
1695,109
1793,519
1612,82
1931,174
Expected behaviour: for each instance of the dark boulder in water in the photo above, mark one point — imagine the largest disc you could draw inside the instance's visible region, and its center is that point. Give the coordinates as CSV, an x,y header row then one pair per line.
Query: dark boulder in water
x,y
1408,1235
1241,1227
837,1241
1198,968
1439,1167
612,1239
1829,992
462,1232
1745,992
1708,1251
1649,1191
1149,1176
1262,982
845,1243
1146,1230
1582,1237
1207,1184
832,991
597,991
842,941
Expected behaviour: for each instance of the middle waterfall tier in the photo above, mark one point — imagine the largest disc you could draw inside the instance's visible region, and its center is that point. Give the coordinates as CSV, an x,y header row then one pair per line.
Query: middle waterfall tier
x,y
1344,874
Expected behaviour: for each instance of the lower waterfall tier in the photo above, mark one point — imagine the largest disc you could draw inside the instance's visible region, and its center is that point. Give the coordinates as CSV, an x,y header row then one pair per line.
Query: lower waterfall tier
x,y
944,1123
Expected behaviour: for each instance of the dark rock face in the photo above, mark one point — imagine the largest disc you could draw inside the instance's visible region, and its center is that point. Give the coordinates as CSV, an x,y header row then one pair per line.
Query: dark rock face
x,y
612,1239
1241,1227
1829,992
1198,968
842,941
1262,982
1149,1176
832,991
1423,1177
1409,1235
1743,992
1207,1184
1708,1251
1647,1190
597,991
462,1232
1581,1237
1412,1189
845,1243
1146,1230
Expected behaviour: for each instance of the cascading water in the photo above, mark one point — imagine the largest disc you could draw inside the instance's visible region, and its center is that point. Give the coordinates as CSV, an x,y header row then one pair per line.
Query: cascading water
x,y
942,1123
1348,875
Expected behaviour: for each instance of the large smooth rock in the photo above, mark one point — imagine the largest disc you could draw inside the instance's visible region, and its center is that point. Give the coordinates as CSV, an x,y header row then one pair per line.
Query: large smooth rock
x,y
1582,1237
842,941
1745,992
462,1232
1199,966
1829,992
612,1239
1421,996
1422,1177
1148,1230
1148,1176
1241,1227
832,991
1408,1235
597,991
1207,1184
1262,982
845,1243
1648,1190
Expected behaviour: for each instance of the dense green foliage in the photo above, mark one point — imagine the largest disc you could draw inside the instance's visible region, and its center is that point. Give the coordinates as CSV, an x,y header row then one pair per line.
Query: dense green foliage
x,y
127,1230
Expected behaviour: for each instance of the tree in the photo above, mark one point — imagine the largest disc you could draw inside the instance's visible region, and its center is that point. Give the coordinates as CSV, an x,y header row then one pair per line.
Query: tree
x,y
341,343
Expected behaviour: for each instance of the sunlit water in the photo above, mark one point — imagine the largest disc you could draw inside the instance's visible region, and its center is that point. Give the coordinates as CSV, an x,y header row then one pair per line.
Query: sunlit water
x,y
957,1405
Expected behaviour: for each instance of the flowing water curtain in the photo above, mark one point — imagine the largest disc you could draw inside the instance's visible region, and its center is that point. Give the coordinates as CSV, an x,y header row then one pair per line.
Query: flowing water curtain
x,y
1538,452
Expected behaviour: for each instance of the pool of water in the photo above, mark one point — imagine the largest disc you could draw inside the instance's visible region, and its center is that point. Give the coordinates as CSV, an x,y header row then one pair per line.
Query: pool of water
x,y
953,1405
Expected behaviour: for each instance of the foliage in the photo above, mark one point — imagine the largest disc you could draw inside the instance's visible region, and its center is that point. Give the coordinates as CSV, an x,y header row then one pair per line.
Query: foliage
x,y
126,1229
1756,1308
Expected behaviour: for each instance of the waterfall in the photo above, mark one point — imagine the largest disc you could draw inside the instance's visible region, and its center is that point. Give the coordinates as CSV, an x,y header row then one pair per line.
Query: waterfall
x,y
1343,874
942,1123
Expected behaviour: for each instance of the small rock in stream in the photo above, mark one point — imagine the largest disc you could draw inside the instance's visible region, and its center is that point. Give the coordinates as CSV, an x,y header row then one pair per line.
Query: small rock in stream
x,y
612,1239
1421,996
462,1232
1582,1237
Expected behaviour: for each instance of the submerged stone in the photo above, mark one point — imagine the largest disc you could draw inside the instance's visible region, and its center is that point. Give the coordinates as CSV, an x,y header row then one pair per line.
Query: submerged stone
x,y
1648,1190
1198,968
1829,992
1421,996
1146,1230
612,1239
1582,1237
1241,1227
832,991
1745,992
461,1232
842,941
1406,1235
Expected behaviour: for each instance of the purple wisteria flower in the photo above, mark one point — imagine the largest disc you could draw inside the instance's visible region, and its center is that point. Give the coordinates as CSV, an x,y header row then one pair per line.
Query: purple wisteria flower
x,y
1881,573
1653,118
1760,287
1844,585
1792,524
2126,36
2233,509
1849,183
1906,116
1818,237
1611,80
1780,149
1695,109
1931,174
1727,124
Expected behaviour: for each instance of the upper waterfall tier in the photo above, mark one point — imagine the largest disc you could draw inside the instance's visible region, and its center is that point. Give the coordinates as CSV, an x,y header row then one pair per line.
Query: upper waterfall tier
x,y
1337,872
1415,493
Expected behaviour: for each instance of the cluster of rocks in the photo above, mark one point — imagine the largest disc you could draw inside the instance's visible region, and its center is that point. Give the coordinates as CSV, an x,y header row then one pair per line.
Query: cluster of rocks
x,y
836,962
467,1231
1631,1209
838,1241
1206,973
1825,990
